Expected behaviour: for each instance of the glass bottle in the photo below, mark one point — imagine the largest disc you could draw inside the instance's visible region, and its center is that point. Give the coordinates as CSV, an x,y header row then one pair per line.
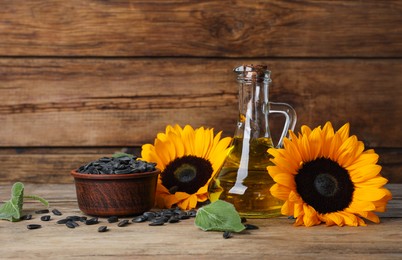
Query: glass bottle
x,y
243,179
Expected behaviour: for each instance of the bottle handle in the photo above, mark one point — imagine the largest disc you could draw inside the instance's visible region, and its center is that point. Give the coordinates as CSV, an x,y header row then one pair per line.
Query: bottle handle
x,y
290,116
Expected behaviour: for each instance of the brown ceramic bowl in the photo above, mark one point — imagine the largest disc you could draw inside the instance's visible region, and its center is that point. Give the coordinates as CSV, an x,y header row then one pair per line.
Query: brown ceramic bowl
x,y
115,194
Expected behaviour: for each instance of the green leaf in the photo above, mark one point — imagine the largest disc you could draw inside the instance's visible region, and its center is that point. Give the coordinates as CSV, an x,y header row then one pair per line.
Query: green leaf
x,y
120,154
219,216
11,210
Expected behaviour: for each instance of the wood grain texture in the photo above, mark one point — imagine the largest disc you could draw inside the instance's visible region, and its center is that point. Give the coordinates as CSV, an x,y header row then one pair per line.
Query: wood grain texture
x,y
79,79
53,165
201,28
125,102
184,240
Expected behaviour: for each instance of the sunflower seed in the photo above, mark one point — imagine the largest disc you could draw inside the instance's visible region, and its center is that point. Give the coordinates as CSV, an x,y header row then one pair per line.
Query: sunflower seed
x,y
149,215
33,226
62,221
192,213
122,171
45,218
139,219
177,211
105,159
166,213
184,216
157,222
113,219
174,219
250,227
75,218
26,217
102,229
42,211
56,212
92,221
71,224
123,223
227,234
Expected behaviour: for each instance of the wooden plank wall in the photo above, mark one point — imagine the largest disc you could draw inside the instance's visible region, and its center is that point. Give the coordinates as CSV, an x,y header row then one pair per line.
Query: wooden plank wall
x,y
82,79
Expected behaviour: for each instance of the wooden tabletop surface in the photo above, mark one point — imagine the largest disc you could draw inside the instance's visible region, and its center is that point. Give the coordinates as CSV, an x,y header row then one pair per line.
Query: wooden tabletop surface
x,y
276,238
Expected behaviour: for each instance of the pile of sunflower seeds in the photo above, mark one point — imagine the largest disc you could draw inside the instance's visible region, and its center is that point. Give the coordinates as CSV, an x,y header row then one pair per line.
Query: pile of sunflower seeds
x,y
117,165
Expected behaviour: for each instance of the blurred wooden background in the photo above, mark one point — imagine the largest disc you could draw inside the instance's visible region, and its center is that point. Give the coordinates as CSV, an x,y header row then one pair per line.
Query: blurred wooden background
x,y
83,79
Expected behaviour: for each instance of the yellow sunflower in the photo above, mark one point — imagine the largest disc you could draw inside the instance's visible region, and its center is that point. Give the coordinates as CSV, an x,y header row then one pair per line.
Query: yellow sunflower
x,y
326,176
187,159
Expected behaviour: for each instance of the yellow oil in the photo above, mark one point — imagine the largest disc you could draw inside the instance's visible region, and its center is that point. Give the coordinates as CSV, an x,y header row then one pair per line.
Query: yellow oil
x,y
244,180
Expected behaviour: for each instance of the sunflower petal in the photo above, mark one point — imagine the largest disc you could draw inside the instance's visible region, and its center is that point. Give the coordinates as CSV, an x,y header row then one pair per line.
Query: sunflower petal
x,y
362,160
336,218
376,182
365,173
298,210
369,194
286,180
372,217
344,132
279,191
310,217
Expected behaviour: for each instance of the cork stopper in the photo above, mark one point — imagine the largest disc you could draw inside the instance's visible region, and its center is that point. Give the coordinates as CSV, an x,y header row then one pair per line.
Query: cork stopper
x,y
255,73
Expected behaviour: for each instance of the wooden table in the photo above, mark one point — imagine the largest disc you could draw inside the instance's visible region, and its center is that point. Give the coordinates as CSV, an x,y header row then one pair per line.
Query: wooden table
x,y
276,238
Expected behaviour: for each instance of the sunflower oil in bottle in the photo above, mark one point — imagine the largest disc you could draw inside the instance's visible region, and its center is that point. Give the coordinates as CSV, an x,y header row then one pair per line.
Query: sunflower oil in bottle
x,y
243,179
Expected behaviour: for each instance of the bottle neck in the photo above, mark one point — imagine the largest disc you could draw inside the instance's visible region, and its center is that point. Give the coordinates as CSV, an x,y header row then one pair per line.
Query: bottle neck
x,y
253,108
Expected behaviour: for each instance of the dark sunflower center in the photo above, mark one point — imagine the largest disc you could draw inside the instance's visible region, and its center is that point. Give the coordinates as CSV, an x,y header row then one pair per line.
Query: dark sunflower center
x,y
324,185
186,174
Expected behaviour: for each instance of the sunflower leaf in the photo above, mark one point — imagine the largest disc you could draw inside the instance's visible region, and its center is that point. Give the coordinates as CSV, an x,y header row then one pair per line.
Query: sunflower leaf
x,y
219,216
121,154
11,210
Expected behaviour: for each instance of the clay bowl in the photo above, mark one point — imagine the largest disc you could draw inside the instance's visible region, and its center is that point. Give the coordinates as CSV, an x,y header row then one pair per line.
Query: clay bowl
x,y
115,194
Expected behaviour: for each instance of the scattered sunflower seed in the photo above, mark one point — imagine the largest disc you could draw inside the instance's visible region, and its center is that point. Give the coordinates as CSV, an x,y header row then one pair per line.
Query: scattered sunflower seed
x,y
45,218
157,222
26,217
173,219
192,213
139,219
33,226
62,221
92,221
149,215
56,212
123,223
250,226
42,211
71,224
74,218
75,224
227,234
102,229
